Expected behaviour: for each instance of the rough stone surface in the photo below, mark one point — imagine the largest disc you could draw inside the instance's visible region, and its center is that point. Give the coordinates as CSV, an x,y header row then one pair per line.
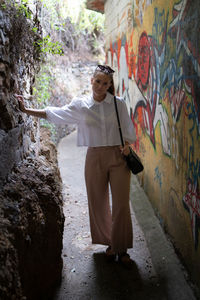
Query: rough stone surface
x,y
31,225
17,71
31,213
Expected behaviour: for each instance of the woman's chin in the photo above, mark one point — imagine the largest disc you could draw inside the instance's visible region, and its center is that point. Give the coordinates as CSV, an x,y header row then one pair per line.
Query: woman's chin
x,y
99,94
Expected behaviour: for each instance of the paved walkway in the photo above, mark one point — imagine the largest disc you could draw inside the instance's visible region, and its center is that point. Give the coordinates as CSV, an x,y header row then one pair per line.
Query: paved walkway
x,y
157,272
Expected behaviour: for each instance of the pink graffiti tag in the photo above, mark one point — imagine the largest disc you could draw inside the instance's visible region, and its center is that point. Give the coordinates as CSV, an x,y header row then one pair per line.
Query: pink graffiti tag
x,y
144,60
192,203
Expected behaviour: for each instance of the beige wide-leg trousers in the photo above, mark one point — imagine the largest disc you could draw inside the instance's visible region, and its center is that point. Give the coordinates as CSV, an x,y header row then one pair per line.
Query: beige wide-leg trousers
x,y
104,166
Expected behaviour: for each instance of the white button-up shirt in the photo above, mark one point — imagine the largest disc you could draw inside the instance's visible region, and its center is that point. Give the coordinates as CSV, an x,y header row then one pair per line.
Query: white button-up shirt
x,y
96,121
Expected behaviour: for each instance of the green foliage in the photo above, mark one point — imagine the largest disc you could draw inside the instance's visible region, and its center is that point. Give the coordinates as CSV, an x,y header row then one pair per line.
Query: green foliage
x,y
91,21
51,13
23,9
35,29
42,45
42,89
44,123
45,45
3,6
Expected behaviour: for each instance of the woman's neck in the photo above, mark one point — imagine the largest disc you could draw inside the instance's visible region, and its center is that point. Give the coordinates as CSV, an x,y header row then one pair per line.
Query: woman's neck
x,y
99,98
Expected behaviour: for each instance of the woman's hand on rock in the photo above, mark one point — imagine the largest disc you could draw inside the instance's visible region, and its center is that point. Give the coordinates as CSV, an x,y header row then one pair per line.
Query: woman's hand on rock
x,y
21,102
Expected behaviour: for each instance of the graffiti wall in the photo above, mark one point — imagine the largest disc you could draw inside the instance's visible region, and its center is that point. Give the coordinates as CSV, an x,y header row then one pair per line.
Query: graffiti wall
x,y
154,47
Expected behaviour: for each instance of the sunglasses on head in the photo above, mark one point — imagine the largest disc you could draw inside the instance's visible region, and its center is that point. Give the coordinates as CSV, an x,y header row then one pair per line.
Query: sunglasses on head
x,y
105,69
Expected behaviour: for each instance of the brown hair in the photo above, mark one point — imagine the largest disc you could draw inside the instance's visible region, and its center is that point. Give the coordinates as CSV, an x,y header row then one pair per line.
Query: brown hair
x,y
111,89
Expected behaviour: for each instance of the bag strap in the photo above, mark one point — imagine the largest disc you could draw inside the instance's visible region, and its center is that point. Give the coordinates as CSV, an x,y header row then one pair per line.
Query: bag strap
x,y
118,120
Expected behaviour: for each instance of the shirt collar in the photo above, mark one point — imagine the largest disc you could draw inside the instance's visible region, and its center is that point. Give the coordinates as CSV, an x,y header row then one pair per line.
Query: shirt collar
x,y
108,99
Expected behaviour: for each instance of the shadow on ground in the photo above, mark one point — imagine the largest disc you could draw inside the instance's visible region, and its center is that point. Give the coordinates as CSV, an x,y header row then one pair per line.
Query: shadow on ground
x,y
115,282
156,273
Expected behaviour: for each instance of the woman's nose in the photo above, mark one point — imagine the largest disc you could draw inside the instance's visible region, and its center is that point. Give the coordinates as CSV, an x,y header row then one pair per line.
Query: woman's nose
x,y
102,85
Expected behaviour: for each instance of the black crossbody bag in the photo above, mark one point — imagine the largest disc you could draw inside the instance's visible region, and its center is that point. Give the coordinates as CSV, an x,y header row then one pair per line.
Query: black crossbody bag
x,y
133,161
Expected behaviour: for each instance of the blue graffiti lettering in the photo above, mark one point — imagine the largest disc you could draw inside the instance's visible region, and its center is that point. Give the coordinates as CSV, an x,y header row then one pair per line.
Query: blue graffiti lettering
x,y
158,176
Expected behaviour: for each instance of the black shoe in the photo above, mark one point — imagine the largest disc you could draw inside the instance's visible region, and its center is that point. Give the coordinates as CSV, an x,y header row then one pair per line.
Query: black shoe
x,y
110,255
125,260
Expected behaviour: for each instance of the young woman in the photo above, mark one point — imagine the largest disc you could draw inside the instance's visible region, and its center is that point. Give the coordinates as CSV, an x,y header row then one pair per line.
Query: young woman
x,y
105,165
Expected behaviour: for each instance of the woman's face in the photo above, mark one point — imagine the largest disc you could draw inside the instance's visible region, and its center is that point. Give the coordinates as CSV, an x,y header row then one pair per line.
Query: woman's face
x,y
100,84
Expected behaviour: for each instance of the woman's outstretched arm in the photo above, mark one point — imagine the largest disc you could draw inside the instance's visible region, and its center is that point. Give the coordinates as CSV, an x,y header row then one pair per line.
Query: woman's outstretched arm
x,y
40,113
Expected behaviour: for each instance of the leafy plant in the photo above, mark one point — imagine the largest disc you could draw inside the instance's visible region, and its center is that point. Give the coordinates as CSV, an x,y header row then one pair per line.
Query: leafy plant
x,y
45,45
91,21
42,89
23,9
52,127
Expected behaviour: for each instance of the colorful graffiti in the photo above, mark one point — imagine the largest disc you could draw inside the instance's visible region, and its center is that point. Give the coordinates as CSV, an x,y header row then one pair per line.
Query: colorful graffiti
x,y
192,203
139,7
163,76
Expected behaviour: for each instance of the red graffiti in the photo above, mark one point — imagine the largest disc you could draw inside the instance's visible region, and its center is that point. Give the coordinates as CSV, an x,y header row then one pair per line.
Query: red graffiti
x,y
132,64
143,60
148,80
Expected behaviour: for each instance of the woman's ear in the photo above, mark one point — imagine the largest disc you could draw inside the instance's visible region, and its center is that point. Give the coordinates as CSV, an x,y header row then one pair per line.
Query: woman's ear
x,y
92,80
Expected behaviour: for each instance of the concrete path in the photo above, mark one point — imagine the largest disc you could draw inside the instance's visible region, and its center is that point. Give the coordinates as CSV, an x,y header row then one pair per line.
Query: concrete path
x,y
157,272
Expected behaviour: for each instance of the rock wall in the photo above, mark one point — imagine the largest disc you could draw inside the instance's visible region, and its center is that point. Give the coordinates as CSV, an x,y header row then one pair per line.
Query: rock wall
x,y
31,215
17,69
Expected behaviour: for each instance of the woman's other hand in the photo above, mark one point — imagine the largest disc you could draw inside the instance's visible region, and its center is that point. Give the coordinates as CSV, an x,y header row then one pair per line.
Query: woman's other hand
x,y
125,150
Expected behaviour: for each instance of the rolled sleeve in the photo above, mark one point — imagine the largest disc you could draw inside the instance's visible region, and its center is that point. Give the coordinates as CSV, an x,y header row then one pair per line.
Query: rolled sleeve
x,y
68,114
